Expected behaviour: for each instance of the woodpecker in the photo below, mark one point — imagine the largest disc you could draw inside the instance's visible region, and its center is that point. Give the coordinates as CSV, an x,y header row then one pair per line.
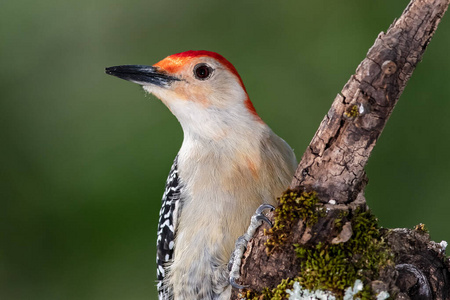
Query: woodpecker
x,y
229,164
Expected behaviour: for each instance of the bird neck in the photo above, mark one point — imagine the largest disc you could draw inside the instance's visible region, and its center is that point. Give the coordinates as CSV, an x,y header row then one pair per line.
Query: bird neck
x,y
211,125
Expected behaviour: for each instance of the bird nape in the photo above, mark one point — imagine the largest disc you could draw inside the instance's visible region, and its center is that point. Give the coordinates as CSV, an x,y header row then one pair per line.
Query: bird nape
x,y
230,163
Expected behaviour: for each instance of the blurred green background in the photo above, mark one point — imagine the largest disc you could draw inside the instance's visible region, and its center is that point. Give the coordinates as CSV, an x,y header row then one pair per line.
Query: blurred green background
x,y
84,156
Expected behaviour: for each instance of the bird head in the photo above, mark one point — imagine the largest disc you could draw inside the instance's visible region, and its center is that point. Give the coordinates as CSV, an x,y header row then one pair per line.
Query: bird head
x,y
199,87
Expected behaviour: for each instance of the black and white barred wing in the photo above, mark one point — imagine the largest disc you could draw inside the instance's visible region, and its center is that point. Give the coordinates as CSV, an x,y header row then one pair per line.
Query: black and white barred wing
x,y
171,205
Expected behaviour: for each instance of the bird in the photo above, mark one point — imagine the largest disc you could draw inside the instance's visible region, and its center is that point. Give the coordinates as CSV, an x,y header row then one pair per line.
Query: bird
x,y
230,162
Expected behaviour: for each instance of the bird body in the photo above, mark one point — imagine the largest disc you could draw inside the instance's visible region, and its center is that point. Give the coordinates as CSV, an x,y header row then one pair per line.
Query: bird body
x,y
229,164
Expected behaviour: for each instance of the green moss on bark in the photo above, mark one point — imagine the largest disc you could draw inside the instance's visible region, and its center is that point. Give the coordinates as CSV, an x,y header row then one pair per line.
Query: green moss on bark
x,y
336,267
293,205
328,266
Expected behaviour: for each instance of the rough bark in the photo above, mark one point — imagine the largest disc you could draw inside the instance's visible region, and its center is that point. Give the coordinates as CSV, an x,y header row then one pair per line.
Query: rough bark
x,y
421,265
333,164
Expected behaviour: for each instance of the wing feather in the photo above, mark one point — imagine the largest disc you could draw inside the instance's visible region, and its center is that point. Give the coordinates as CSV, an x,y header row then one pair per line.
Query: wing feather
x,y
167,225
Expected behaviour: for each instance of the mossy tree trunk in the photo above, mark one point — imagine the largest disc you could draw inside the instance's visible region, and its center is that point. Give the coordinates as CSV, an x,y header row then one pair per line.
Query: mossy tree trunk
x,y
332,171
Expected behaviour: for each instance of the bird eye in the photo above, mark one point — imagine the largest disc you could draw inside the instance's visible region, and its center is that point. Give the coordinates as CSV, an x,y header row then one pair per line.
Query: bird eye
x,y
202,71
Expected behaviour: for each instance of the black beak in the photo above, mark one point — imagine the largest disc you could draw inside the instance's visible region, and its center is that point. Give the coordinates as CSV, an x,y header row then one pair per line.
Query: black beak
x,y
143,75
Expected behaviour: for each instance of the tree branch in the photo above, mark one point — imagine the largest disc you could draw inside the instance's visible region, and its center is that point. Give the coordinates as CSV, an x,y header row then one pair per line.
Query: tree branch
x,y
332,166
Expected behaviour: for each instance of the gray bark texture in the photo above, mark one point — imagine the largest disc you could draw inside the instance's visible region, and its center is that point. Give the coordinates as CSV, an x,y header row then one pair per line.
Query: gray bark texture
x,y
333,167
